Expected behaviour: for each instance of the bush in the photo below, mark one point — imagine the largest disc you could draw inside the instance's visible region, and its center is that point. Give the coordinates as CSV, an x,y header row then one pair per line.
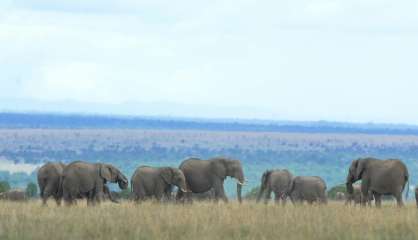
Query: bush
x,y
252,194
125,194
4,186
31,190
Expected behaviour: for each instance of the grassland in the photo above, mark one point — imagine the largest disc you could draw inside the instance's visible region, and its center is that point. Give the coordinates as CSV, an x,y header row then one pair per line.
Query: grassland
x,y
204,220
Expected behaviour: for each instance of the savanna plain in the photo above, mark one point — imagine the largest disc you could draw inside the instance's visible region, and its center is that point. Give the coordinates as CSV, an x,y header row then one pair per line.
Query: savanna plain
x,y
206,220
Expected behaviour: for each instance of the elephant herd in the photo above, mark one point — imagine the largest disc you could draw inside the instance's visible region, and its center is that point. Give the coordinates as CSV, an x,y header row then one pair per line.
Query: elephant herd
x,y
82,180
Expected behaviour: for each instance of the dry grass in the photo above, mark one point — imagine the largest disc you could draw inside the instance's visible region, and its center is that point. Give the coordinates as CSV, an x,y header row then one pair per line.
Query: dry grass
x,y
205,221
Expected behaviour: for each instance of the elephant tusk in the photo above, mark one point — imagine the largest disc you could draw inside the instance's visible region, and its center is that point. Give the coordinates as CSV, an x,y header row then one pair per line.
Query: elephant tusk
x,y
240,183
183,190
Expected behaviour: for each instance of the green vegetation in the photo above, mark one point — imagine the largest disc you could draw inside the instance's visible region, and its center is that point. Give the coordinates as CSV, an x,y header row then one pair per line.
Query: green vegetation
x,y
4,186
31,190
325,155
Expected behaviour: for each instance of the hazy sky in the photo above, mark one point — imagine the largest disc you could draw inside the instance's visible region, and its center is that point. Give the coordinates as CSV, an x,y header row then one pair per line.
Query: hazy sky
x,y
297,60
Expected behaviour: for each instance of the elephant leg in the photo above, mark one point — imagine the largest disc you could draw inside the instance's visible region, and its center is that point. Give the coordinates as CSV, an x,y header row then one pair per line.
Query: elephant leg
x,y
159,194
57,200
68,199
267,197
277,197
399,200
284,199
180,197
364,193
378,199
219,191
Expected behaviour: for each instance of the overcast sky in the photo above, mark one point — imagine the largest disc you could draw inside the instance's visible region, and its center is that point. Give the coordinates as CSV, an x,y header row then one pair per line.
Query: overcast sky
x,y
296,60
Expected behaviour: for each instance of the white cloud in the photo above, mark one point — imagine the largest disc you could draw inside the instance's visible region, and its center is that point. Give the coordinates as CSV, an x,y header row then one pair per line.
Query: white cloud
x,y
10,166
300,59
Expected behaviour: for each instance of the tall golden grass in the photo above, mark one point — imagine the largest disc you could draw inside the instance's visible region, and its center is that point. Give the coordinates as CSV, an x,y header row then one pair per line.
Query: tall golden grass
x,y
206,220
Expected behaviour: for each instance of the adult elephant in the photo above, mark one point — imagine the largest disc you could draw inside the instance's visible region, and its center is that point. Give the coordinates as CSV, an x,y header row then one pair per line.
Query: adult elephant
x,y
82,179
13,195
277,181
49,176
202,175
307,188
380,177
148,182
356,196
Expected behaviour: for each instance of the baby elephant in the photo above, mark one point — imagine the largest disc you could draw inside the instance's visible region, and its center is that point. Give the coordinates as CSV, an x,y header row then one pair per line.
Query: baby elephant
x,y
13,195
151,182
310,189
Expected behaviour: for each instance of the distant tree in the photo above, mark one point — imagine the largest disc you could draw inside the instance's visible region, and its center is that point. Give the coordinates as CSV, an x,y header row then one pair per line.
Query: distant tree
x,y
31,190
4,186
252,194
125,194
339,188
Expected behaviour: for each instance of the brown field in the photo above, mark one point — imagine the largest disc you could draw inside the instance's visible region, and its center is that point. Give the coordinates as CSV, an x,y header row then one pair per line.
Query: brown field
x,y
204,220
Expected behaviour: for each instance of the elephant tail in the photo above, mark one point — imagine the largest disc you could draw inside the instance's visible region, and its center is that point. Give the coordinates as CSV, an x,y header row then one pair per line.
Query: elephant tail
x,y
407,189
60,187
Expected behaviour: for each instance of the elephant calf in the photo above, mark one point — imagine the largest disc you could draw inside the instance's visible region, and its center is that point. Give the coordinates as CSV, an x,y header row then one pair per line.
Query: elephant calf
x,y
13,195
339,196
277,181
310,189
357,197
148,182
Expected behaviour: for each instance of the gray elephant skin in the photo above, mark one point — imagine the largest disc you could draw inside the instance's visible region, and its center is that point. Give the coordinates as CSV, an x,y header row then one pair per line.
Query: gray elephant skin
x,y
277,181
13,195
87,180
339,196
152,182
416,196
49,176
380,177
202,175
308,188
356,196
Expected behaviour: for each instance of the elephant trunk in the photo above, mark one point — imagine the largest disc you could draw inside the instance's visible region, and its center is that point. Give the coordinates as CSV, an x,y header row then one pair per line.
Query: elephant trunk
x,y
349,183
350,189
260,193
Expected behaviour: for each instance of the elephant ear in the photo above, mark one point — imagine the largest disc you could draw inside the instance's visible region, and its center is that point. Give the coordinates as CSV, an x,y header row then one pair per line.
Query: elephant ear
x,y
167,175
219,168
106,173
360,168
265,177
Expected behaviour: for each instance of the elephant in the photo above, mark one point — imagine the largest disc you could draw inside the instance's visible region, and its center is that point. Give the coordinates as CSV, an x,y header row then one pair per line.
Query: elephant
x,y
380,177
107,195
13,195
339,196
356,196
147,182
308,188
49,176
277,181
88,180
202,175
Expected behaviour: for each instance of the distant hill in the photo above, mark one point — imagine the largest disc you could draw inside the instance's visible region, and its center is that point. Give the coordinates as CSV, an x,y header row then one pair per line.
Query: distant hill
x,y
77,121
